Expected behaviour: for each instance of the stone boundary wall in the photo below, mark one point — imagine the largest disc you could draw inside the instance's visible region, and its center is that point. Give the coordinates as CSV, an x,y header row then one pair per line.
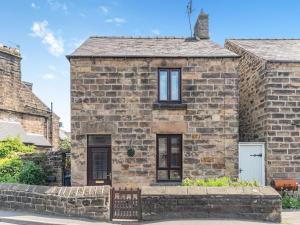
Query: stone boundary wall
x,y
158,203
51,161
261,203
90,202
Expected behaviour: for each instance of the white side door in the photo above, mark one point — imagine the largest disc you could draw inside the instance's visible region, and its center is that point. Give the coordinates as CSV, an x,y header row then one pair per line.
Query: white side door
x,y
252,162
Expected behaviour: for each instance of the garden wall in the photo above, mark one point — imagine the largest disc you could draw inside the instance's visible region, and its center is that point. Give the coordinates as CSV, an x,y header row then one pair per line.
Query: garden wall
x,y
89,202
259,203
254,203
51,161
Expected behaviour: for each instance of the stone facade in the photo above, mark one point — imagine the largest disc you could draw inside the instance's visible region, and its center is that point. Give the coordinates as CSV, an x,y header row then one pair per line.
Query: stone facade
x,y
269,110
19,104
117,96
89,202
254,203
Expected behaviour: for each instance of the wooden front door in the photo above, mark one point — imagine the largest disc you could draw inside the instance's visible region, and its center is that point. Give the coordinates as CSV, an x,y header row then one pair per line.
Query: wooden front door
x,y
98,161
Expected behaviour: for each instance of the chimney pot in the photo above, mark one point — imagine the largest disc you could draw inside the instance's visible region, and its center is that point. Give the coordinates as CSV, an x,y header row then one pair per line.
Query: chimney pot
x,y
201,27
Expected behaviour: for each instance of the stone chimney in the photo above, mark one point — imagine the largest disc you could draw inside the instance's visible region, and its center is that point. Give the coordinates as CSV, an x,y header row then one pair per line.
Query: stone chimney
x,y
201,26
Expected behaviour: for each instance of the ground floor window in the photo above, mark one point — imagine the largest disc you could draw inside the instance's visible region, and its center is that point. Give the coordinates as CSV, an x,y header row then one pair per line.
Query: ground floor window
x,y
169,157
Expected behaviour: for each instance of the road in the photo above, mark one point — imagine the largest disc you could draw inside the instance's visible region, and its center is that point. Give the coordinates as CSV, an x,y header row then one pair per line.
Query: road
x,y
25,218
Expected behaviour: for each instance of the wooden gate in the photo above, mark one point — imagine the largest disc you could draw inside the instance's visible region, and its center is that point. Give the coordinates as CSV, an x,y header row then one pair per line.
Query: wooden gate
x,y
126,204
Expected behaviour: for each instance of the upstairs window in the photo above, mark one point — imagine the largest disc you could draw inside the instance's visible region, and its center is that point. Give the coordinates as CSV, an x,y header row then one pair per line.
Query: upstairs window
x,y
169,85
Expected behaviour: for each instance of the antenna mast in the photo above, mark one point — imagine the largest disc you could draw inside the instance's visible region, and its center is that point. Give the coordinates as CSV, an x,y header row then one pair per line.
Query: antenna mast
x,y
189,10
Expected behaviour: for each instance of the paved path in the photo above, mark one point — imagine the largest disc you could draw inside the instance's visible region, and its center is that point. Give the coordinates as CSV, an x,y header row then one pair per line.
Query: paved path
x,y
24,218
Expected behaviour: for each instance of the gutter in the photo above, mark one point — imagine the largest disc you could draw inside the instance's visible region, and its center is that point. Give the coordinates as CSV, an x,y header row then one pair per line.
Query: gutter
x,y
147,56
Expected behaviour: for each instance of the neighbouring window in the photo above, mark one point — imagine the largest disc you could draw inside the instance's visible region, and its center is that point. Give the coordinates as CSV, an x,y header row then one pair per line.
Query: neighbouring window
x,y
169,157
169,85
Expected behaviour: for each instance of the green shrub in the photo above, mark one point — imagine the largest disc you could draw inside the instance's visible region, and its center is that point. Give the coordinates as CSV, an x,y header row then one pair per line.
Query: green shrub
x,y
14,146
218,182
14,168
10,169
289,202
65,145
32,173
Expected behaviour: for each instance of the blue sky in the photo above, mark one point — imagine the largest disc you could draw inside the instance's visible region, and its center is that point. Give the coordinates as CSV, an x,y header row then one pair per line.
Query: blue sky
x,y
47,30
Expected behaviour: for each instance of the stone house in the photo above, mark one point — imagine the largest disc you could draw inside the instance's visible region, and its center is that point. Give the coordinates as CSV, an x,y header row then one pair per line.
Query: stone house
x,y
152,110
270,101
22,113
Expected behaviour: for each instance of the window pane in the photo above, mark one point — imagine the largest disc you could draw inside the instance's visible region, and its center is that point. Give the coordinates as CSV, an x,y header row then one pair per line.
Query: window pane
x,y
162,152
94,140
174,85
162,175
175,175
163,85
99,165
175,152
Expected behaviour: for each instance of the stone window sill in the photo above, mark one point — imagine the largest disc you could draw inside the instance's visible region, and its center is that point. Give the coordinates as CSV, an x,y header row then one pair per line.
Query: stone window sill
x,y
170,106
167,183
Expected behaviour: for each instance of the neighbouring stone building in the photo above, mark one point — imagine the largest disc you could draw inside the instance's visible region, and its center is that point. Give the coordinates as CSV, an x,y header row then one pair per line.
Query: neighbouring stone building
x,y
270,101
151,110
22,113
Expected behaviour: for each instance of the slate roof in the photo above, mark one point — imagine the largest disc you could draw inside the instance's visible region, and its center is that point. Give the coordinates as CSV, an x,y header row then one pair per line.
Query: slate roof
x,y
14,129
98,46
277,50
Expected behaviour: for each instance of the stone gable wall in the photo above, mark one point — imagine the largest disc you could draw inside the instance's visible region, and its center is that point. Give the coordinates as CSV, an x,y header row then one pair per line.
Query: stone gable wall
x,y
269,111
116,96
18,103
252,114
283,123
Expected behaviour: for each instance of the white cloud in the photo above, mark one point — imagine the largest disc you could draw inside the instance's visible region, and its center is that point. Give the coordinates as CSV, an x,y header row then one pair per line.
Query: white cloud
x,y
104,9
116,20
58,5
33,5
48,76
55,44
155,31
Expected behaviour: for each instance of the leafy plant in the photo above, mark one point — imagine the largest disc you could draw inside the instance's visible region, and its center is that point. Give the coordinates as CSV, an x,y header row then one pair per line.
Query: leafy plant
x,y
14,146
65,145
10,169
289,202
14,164
32,173
218,182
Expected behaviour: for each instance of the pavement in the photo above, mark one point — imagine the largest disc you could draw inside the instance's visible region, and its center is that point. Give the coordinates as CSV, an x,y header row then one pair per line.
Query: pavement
x,y
25,218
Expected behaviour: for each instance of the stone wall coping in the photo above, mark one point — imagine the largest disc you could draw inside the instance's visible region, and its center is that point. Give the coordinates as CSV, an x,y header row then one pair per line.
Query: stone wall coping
x,y
67,192
183,190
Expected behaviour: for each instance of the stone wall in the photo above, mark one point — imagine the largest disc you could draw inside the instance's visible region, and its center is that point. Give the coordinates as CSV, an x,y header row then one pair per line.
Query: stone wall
x,y
117,96
254,203
269,111
252,115
89,202
283,123
18,103
51,161
259,203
